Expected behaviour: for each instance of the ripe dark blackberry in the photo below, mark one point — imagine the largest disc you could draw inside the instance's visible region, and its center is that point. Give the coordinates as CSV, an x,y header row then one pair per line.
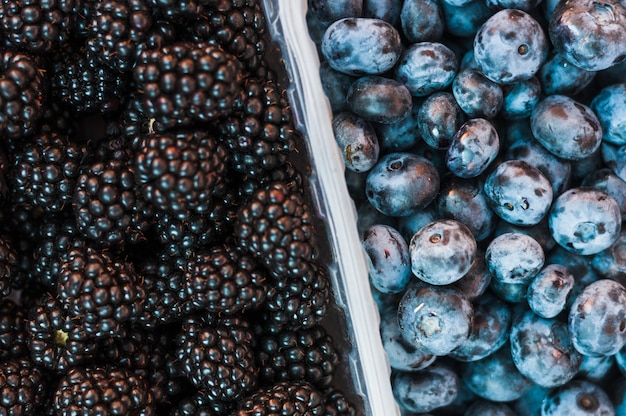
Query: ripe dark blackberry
x,y
22,94
8,266
13,333
55,340
22,387
101,390
37,26
46,170
180,173
337,404
99,292
302,355
301,398
187,82
260,134
162,283
223,280
217,357
193,405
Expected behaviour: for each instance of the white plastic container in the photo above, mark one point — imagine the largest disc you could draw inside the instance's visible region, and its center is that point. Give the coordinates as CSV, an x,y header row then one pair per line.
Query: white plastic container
x,y
369,366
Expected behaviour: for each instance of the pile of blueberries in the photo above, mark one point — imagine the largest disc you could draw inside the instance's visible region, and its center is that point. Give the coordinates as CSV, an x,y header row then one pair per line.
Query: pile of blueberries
x,y
484,143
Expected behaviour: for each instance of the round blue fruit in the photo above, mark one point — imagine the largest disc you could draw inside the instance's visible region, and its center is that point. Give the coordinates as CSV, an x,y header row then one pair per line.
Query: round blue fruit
x,y
357,141
421,20
549,290
330,10
426,67
400,136
426,390
605,180
379,99
476,281
558,76
388,258
464,18
487,408
520,99
474,146
578,398
610,107
478,96
438,119
336,85
611,263
514,258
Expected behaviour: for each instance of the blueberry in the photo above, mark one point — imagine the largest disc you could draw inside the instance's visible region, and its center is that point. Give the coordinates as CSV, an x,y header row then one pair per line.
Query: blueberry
x,y
379,99
435,319
335,85
597,369
597,318
589,164
525,5
464,20
400,183
510,46
514,258
540,232
442,252
368,215
355,181
542,350
412,223
610,107
614,157
400,136
357,141
490,330
463,200
359,46
426,67
518,193
577,398
611,263
487,408
558,76
530,403
474,146
438,119
566,127
478,96
578,266
330,10
421,20
426,390
388,258
520,98
549,290
387,10
476,280
588,33
509,292
585,220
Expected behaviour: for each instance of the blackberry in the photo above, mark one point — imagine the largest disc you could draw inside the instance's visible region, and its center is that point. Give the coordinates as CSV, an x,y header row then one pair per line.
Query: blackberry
x,y
222,280
260,134
285,173
103,390
22,94
187,82
8,266
12,330
46,170
217,357
55,340
180,173
162,283
37,26
193,405
178,12
302,355
337,404
22,387
300,397
99,292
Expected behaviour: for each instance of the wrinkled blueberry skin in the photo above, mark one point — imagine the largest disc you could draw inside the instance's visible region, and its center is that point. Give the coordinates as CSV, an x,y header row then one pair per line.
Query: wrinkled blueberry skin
x,y
400,136
401,183
490,330
357,141
518,193
421,20
438,119
414,222
328,11
611,263
597,369
379,99
476,280
520,99
463,200
336,85
486,408
557,171
474,146
478,96
585,220
387,10
510,46
558,76
426,67
605,180
495,377
514,258
426,390
597,318
464,20
542,350
359,46
549,290
388,258
577,397
610,107
442,252
402,355
566,127
435,319
588,33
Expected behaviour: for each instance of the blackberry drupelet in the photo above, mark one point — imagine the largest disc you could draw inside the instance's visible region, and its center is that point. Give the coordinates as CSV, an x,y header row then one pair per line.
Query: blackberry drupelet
x,y
103,390
37,26
22,387
301,398
22,94
285,173
8,266
337,404
13,332
46,170
186,83
181,172
301,355
100,292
